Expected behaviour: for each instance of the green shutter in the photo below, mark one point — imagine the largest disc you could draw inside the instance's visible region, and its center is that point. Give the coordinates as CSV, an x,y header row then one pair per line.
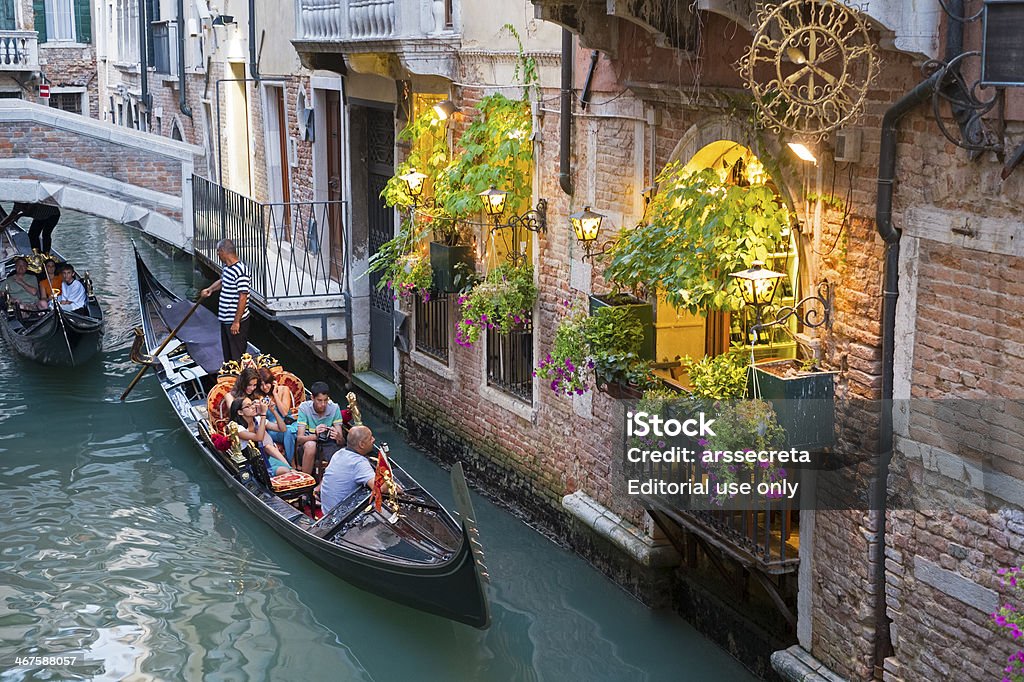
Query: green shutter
x,y
39,17
83,22
7,15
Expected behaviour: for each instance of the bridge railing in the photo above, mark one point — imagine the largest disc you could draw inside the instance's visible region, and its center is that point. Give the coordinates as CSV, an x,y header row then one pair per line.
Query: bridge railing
x,y
293,249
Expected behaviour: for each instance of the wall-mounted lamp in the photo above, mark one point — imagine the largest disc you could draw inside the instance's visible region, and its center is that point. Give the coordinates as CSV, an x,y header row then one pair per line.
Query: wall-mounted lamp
x,y
586,225
535,220
757,287
803,152
222,20
445,108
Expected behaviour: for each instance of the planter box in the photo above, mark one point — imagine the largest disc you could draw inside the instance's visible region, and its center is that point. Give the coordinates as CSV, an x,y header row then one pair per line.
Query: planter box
x,y
804,401
620,391
641,310
447,278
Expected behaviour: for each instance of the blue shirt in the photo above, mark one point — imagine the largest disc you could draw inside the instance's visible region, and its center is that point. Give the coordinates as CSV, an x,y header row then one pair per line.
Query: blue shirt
x,y
346,473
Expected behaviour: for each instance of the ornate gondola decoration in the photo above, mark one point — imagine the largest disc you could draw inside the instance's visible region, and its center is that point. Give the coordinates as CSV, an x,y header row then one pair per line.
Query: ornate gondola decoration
x,y
809,66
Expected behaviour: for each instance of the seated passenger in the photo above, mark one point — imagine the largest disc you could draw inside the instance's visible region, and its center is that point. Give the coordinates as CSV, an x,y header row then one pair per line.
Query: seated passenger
x,y
24,290
349,469
246,384
72,296
49,280
279,404
320,423
250,415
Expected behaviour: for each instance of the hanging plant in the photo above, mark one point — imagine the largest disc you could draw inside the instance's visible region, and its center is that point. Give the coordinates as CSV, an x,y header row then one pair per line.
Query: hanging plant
x,y
1009,622
741,426
502,301
404,270
605,345
700,229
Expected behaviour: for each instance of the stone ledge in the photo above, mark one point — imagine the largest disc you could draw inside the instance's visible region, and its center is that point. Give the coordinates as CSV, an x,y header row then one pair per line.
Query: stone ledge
x,y
620,532
795,664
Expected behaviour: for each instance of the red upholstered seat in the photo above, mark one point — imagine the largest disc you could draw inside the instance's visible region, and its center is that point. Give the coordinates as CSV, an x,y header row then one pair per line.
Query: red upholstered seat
x,y
215,407
294,386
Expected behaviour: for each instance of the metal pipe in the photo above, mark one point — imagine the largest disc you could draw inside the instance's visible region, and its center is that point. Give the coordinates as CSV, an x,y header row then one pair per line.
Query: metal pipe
x,y
144,60
254,67
877,494
182,101
565,118
585,97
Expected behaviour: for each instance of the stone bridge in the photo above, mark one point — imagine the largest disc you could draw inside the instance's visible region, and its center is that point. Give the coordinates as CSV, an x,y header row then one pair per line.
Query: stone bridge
x,y
79,163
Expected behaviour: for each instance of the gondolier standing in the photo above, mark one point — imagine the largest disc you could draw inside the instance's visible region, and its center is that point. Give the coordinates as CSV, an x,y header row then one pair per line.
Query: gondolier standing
x,y
233,307
44,219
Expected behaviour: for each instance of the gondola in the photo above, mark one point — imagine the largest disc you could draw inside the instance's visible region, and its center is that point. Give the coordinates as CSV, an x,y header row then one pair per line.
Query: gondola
x,y
419,556
52,337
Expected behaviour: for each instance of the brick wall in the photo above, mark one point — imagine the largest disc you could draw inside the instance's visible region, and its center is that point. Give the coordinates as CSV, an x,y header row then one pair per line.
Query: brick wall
x,y
101,157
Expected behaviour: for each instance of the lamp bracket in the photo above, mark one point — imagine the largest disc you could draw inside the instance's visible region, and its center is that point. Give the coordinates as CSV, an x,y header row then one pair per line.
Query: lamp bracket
x,y
812,311
591,253
534,220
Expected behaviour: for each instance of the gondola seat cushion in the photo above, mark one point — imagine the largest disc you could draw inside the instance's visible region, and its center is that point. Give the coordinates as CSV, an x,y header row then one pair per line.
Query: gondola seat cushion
x,y
215,407
295,387
293,480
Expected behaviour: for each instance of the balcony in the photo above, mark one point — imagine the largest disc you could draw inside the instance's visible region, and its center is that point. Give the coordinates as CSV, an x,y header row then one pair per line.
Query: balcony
x,y
422,34
19,51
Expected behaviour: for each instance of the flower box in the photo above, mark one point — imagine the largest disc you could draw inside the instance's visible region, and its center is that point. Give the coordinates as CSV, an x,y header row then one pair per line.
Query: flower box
x,y
804,401
450,266
641,310
620,391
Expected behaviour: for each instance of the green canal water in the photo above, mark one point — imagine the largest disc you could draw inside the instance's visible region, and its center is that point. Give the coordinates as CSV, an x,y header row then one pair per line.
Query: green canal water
x,y
123,557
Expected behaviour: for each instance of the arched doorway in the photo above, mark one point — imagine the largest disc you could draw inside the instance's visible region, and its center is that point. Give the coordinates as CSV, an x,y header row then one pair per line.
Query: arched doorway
x,y
680,333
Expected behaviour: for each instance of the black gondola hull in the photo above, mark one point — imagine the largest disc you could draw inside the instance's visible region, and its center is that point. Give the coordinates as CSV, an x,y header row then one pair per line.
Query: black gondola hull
x,y
450,588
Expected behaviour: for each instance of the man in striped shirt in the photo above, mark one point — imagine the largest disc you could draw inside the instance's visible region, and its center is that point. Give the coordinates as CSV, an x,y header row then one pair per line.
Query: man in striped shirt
x,y
233,308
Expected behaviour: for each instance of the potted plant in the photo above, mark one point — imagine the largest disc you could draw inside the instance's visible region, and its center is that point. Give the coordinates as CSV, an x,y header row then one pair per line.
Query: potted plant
x,y
502,301
404,270
700,229
607,342
641,311
804,399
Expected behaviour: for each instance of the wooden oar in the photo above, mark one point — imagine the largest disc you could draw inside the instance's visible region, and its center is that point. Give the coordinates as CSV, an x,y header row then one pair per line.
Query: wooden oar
x,y
162,346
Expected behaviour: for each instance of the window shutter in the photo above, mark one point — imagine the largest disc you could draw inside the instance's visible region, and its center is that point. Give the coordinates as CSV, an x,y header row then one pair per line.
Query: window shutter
x,y
39,18
6,15
83,22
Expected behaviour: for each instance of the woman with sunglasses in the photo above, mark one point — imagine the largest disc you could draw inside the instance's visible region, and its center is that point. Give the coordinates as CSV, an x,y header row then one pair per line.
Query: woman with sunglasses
x,y
250,415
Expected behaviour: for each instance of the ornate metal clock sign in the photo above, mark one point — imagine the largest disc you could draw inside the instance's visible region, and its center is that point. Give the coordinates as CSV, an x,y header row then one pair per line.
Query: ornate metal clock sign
x,y
821,60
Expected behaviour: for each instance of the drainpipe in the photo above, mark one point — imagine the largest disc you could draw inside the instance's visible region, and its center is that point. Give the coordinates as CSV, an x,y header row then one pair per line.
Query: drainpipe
x,y
254,67
182,101
565,120
144,60
877,501
585,97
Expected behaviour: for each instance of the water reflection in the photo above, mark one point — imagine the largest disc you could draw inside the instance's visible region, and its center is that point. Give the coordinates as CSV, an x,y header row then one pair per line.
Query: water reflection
x,y
120,547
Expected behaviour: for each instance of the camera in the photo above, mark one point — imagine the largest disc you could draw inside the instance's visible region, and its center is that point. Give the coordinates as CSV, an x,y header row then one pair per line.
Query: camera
x,y
323,437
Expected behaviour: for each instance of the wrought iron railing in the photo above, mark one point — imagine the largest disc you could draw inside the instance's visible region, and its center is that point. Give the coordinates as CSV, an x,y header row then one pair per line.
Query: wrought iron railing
x,y
19,51
291,249
762,533
510,361
433,325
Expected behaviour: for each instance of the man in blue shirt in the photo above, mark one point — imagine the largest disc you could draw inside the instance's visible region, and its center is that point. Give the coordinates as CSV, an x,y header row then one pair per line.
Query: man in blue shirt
x,y
349,469
319,423
233,307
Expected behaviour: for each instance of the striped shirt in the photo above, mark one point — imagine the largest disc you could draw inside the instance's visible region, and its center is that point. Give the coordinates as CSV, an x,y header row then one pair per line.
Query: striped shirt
x,y
234,281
